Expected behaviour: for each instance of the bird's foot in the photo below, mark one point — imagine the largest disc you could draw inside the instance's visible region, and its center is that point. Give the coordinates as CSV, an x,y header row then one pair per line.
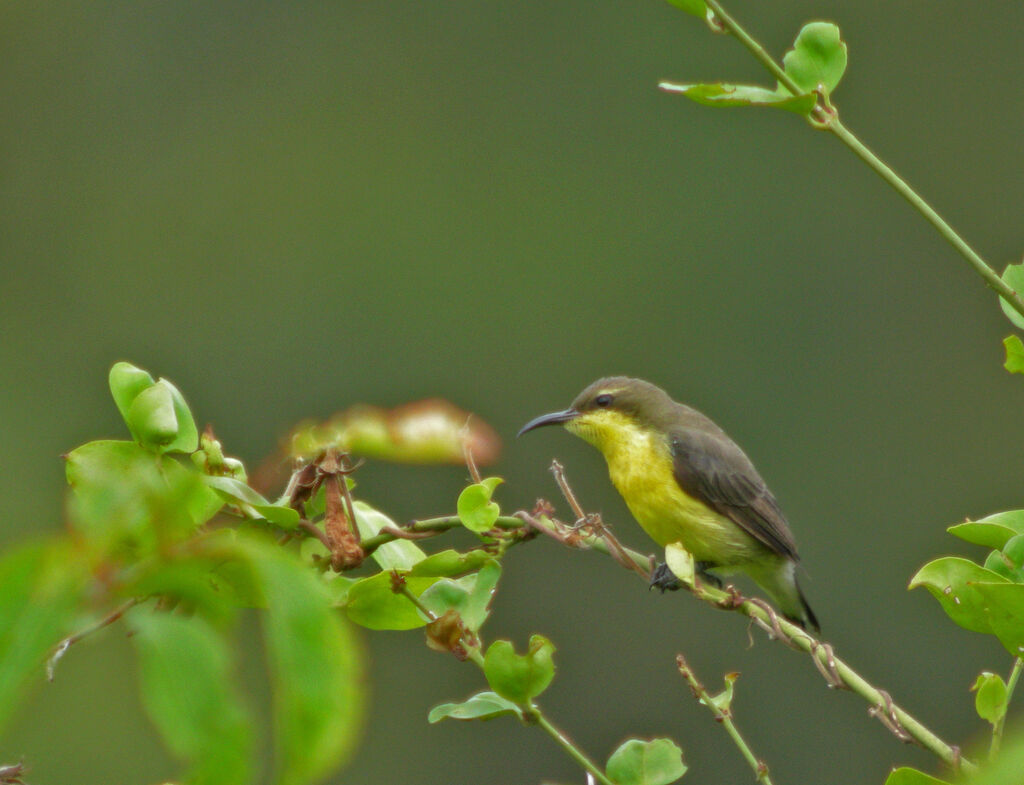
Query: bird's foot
x,y
663,579
702,568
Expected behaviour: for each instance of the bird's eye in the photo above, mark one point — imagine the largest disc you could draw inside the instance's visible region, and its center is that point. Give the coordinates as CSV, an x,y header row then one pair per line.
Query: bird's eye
x,y
603,400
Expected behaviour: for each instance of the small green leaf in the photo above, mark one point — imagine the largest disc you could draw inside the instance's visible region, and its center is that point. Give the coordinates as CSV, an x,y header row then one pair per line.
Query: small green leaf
x,y
469,596
372,603
638,762
520,678
1014,353
315,667
908,776
188,691
723,700
722,94
680,561
395,555
482,706
450,563
953,582
1009,561
188,434
152,417
694,7
1005,613
238,492
1013,275
476,510
992,532
990,697
1000,563
817,59
126,382
41,587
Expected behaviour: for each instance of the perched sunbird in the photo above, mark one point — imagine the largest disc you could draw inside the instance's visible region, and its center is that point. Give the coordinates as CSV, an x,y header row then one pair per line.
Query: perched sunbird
x,y
687,482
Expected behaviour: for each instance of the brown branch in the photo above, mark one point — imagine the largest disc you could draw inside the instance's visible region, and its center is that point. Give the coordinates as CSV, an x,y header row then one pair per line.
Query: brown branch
x,y
67,643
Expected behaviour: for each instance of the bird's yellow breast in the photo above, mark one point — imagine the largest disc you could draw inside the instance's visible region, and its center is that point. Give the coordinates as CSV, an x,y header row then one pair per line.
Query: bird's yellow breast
x,y
641,467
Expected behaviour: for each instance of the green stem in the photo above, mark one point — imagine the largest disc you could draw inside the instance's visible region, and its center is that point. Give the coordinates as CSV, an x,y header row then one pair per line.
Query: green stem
x,y
533,712
898,720
827,119
895,717
566,744
435,525
997,729
758,51
724,717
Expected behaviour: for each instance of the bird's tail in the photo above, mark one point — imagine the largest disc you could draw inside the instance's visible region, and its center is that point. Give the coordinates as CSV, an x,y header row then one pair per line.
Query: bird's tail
x,y
806,619
782,585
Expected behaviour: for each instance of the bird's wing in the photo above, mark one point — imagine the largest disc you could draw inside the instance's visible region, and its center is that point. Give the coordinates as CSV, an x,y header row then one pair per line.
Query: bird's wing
x,y
710,467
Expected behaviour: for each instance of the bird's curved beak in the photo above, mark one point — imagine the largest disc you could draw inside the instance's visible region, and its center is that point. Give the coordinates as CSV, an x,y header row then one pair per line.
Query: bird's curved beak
x,y
548,419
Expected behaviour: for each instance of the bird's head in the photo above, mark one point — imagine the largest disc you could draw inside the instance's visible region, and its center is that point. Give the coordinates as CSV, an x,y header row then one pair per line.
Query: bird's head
x,y
611,410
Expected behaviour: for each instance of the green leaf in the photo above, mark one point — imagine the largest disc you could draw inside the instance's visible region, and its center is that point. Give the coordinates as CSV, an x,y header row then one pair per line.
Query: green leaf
x,y
1013,275
908,776
722,94
723,700
188,434
680,561
817,59
990,697
476,510
694,7
124,497
1005,613
1014,352
638,762
152,417
238,492
315,668
482,706
450,563
953,582
470,596
520,678
372,603
1000,563
190,581
126,382
394,555
992,531
188,692
41,586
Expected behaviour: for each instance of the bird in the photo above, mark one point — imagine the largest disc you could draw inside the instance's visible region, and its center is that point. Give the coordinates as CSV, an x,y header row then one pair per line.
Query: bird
x,y
687,483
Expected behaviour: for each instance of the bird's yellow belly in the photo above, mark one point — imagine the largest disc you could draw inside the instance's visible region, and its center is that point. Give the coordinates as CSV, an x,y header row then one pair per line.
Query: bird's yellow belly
x,y
643,474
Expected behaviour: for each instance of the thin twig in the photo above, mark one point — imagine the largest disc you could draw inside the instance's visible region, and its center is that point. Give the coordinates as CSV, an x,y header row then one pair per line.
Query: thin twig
x,y
798,638
404,534
434,526
470,649
724,716
563,485
311,528
615,548
757,610
467,453
566,744
67,643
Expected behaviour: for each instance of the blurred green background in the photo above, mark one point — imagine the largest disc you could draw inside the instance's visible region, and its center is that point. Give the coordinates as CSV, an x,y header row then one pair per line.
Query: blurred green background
x,y
288,208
